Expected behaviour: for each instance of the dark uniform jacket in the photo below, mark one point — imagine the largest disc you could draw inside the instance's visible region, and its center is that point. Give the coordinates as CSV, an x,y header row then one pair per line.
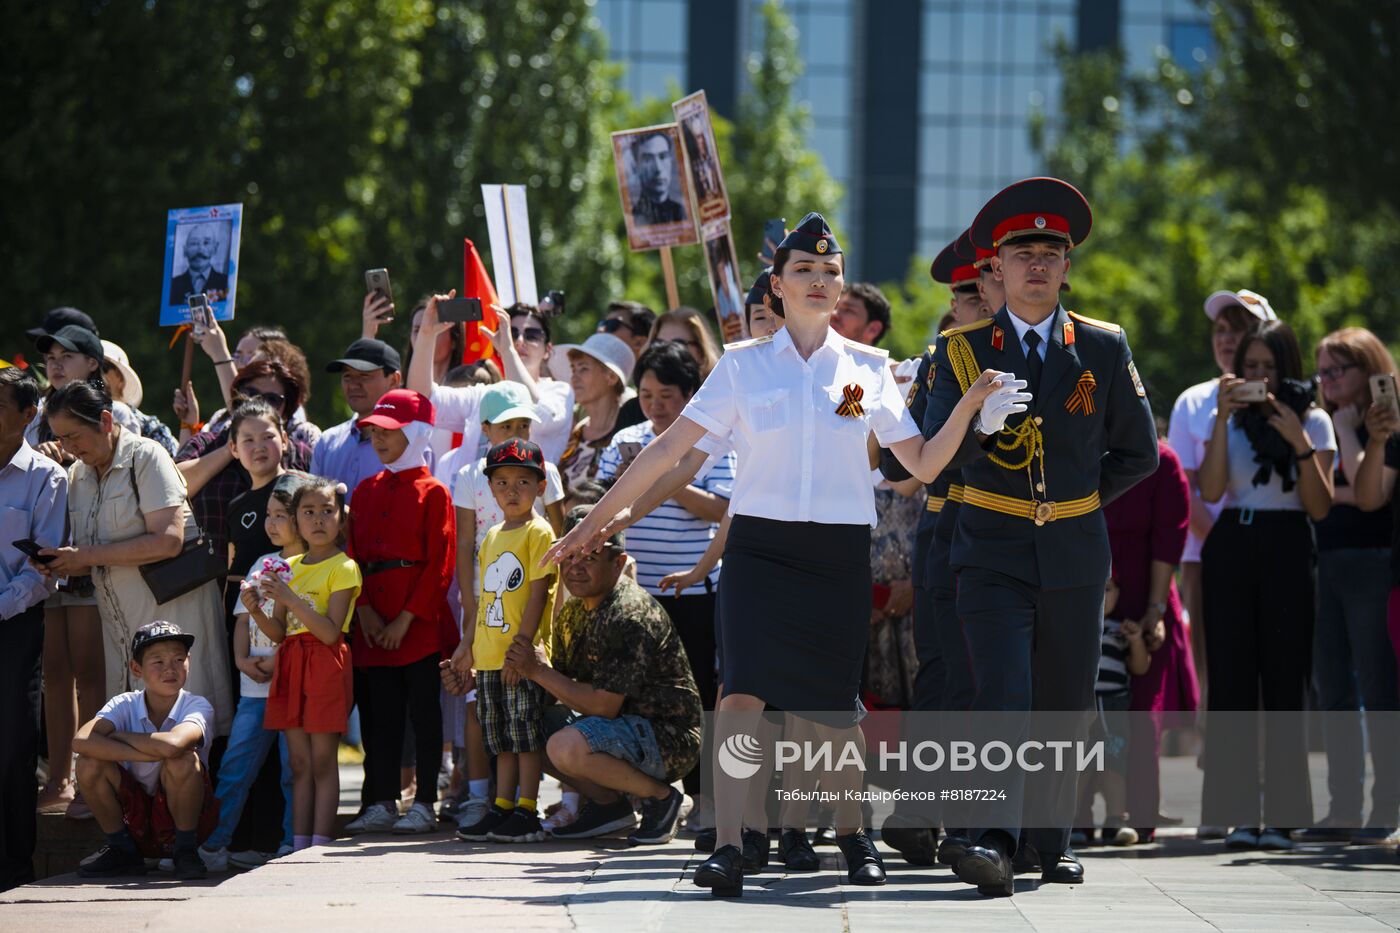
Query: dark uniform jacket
x,y
932,537
1090,418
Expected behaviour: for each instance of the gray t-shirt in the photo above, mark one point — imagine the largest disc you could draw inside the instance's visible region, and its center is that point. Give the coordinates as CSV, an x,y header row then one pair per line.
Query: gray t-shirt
x,y
1240,491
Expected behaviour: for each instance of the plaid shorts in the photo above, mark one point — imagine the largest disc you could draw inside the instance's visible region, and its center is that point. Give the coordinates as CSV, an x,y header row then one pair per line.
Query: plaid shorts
x,y
512,718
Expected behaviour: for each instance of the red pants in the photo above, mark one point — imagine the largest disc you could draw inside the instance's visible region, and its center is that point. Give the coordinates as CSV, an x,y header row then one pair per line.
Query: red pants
x,y
148,818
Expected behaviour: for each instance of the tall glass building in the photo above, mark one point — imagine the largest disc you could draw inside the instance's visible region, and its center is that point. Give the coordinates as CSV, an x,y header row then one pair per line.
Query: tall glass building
x,y
919,107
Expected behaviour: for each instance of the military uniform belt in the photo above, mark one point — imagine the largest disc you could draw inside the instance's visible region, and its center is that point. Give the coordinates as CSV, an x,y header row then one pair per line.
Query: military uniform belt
x,y
936,503
1031,509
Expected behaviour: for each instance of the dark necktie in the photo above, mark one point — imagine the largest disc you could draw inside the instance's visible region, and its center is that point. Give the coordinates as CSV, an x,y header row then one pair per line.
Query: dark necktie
x,y
1034,363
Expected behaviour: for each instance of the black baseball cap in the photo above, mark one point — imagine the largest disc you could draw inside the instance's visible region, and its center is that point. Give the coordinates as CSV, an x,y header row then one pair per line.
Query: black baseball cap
x,y
367,354
516,453
74,339
57,318
153,632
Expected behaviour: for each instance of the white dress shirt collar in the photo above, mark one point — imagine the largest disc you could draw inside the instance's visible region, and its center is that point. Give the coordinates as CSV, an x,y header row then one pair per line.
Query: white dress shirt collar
x,y
1044,329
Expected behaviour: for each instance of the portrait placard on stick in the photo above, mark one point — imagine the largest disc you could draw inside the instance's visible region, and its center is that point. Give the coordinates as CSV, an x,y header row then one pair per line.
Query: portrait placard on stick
x,y
512,258
654,188
723,266
201,255
702,158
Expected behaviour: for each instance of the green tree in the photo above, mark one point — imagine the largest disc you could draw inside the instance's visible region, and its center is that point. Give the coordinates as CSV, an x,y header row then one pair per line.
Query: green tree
x,y
1171,226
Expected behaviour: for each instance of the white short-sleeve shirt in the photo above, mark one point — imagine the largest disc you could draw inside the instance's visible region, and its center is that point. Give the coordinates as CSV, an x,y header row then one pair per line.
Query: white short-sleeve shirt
x,y
782,412
127,713
1193,417
556,413
1241,493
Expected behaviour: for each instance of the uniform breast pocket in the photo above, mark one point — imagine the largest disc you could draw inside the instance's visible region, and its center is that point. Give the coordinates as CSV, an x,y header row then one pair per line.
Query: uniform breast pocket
x,y
847,409
768,411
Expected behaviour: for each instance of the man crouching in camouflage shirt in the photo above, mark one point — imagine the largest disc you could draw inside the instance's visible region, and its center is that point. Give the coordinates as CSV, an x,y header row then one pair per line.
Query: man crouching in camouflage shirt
x,y
636,722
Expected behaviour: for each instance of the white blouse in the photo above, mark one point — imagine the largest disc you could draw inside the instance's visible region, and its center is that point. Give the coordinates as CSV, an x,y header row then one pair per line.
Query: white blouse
x,y
801,460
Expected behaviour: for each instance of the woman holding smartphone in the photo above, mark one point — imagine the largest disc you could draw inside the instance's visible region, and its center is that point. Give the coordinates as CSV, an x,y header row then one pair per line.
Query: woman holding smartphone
x,y
794,609
1270,461
1353,668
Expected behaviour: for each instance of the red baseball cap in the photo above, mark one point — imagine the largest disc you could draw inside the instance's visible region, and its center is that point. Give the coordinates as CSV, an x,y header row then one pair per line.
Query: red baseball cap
x,y
399,407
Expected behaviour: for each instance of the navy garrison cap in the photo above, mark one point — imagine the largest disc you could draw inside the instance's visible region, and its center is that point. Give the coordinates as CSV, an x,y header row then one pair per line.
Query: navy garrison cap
x,y
760,290
812,235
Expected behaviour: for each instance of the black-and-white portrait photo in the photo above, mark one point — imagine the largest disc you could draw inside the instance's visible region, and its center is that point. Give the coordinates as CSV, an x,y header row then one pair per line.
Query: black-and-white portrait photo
x,y
201,260
654,187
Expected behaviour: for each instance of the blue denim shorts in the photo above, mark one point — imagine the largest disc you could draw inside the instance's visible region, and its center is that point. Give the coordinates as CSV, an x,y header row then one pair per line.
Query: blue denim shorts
x,y
629,738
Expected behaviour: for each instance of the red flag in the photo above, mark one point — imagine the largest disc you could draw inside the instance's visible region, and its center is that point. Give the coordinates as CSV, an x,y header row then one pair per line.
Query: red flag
x,y
476,283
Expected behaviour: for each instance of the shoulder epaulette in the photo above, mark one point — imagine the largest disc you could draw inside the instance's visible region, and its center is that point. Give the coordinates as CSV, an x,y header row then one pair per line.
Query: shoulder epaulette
x,y
866,348
965,328
751,342
932,348
1103,325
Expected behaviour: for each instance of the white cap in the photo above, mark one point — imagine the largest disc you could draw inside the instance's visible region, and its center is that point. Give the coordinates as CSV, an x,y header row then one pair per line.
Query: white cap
x,y
612,352
1253,302
132,393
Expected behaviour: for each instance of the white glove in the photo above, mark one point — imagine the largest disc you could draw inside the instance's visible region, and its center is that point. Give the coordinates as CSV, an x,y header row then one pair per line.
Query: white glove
x,y
1005,401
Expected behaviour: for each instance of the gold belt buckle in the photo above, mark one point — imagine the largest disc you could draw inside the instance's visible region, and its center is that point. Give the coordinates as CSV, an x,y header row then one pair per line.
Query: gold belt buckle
x,y
1044,512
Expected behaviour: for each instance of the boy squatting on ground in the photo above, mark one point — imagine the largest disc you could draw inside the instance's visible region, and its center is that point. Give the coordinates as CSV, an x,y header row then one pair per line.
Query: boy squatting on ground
x,y
141,763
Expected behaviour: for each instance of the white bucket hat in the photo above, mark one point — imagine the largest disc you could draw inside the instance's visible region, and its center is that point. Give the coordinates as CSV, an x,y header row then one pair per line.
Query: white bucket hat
x,y
132,393
612,352
1253,302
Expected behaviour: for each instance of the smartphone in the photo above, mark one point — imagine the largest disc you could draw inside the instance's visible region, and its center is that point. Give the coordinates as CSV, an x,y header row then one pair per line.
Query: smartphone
x,y
31,548
552,304
774,229
1256,390
200,315
1383,391
459,310
377,280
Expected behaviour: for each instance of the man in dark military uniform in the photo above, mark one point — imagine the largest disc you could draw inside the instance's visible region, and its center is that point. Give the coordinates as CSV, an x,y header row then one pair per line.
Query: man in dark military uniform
x,y
1030,545
943,681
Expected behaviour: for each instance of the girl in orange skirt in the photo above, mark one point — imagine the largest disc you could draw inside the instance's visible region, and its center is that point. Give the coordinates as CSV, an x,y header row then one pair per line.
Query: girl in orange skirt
x,y
311,689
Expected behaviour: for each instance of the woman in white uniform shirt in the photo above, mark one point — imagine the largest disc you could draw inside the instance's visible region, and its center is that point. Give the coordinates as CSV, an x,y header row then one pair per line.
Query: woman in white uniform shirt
x,y
796,583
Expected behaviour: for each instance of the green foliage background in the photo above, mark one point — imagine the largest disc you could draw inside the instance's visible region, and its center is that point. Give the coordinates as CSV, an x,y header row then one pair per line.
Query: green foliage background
x,y
356,133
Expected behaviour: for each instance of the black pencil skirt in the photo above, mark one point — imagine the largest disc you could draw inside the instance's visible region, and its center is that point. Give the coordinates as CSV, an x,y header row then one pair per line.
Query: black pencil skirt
x,y
794,614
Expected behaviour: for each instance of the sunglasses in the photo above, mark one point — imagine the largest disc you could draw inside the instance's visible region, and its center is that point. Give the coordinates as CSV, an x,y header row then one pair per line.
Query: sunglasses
x,y
612,325
529,335
276,399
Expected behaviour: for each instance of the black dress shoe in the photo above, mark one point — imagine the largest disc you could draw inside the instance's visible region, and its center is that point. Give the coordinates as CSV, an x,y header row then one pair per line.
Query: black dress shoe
x,y
824,836
705,840
1064,870
722,873
863,863
987,866
915,843
952,847
796,852
1026,859
756,848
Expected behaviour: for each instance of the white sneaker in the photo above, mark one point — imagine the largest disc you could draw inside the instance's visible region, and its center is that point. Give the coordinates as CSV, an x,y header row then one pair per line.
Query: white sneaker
x,y
1123,836
472,812
246,860
419,819
377,818
214,859
558,819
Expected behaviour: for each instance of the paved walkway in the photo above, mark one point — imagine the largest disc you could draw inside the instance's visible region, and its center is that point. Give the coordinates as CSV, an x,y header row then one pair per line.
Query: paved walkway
x,y
426,883
403,884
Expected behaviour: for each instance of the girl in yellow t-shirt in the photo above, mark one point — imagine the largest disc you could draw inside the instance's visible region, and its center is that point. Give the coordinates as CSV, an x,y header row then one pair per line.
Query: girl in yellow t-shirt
x,y
312,688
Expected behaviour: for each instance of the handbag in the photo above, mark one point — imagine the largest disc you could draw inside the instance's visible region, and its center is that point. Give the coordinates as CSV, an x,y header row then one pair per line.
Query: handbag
x,y
195,565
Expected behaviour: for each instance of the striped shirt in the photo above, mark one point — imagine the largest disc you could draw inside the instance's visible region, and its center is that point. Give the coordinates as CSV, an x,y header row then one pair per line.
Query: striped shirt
x,y
670,539
1113,661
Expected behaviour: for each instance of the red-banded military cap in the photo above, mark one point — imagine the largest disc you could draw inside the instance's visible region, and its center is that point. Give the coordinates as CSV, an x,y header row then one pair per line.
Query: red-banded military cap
x,y
953,265
1033,209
